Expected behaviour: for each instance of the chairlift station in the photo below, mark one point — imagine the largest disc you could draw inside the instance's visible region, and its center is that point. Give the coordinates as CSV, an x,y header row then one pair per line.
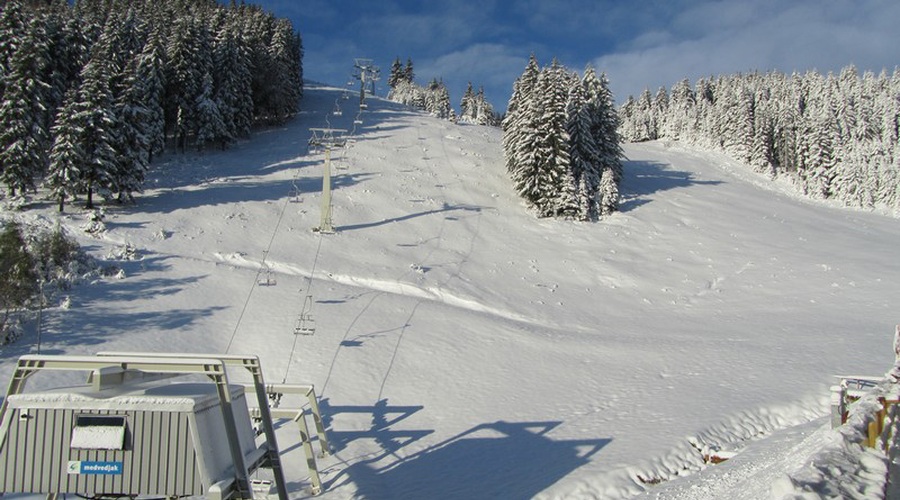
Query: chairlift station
x,y
133,432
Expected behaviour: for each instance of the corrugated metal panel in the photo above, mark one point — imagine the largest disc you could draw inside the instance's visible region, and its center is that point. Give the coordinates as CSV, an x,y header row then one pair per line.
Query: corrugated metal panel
x,y
158,459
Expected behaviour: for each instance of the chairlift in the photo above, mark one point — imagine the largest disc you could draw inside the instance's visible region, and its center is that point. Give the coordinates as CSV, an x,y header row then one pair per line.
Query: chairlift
x,y
357,121
337,111
266,276
363,106
294,196
306,325
313,145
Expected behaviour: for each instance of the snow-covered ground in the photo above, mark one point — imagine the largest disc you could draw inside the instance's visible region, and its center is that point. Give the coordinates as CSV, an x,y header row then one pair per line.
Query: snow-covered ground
x,y
464,348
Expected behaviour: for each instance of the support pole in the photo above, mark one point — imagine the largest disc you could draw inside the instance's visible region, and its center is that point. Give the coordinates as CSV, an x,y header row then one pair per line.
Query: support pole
x,y
325,224
838,405
328,138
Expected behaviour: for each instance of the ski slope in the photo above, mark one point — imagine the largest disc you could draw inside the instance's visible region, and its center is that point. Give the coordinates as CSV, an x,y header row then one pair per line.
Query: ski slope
x,y
464,348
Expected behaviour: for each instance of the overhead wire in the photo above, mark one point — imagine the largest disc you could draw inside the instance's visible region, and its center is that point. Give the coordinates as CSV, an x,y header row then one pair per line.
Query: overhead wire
x,y
307,308
262,266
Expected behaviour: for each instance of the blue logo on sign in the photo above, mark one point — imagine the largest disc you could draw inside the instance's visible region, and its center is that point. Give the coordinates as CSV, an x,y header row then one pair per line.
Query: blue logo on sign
x,y
86,467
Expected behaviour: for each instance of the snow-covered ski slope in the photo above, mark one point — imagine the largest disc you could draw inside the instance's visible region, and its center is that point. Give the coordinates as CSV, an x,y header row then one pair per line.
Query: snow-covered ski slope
x,y
464,348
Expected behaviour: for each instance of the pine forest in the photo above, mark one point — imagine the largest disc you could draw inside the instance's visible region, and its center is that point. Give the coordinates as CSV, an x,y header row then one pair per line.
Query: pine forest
x,y
834,136
434,98
91,92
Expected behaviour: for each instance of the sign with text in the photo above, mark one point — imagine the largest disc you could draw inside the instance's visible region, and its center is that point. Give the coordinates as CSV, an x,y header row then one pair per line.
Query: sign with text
x,y
86,467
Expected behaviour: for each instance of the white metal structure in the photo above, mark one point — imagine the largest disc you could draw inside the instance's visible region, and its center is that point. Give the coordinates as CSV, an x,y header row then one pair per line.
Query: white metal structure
x,y
264,413
109,438
365,71
327,138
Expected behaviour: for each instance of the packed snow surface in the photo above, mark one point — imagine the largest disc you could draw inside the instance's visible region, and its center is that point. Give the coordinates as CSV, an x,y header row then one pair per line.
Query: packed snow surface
x,y
464,348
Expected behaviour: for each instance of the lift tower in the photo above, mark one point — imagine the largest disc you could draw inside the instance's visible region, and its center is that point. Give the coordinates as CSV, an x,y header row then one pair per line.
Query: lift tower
x,y
327,138
365,71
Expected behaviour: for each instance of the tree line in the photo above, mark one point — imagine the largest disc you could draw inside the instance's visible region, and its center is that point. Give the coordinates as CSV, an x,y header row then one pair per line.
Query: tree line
x,y
434,98
561,143
91,92
834,135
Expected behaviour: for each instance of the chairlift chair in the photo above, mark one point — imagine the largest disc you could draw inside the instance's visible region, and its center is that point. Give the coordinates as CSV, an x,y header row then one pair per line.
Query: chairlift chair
x,y
305,325
266,276
294,196
337,110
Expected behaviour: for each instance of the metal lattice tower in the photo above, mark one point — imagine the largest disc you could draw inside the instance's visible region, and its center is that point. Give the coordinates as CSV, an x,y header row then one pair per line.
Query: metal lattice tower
x,y
327,138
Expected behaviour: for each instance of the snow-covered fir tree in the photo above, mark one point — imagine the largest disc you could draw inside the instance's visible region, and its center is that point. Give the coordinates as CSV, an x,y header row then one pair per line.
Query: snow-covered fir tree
x,y
188,73
560,142
474,108
605,130
67,154
24,137
84,150
434,98
834,135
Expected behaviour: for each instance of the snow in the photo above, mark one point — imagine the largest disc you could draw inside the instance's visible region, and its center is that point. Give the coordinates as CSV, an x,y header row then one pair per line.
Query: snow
x,y
98,437
466,349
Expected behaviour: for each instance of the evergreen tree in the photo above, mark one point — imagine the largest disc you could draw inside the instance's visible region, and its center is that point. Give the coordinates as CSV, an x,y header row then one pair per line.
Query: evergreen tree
x,y
157,57
518,116
12,33
442,101
681,110
94,120
24,137
484,112
185,69
210,126
397,75
67,54
549,178
150,85
135,127
67,155
409,76
583,156
283,87
644,123
836,135
561,142
605,131
467,106
18,279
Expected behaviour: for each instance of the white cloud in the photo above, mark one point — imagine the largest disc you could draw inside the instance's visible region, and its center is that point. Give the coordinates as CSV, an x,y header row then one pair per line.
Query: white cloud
x,y
494,66
728,36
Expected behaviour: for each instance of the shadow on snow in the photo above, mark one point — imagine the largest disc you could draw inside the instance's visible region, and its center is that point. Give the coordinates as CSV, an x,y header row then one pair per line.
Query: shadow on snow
x,y
493,460
642,179
445,208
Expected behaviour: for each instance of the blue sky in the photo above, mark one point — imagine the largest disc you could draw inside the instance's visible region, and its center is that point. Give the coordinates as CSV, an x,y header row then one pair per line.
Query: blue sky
x,y
637,43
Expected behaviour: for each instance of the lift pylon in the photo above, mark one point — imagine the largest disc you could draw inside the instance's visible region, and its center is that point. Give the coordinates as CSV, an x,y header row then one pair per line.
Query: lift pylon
x,y
328,139
365,71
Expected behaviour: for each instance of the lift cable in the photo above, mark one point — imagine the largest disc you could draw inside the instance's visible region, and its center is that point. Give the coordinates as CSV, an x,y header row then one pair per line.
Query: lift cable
x,y
309,285
263,266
